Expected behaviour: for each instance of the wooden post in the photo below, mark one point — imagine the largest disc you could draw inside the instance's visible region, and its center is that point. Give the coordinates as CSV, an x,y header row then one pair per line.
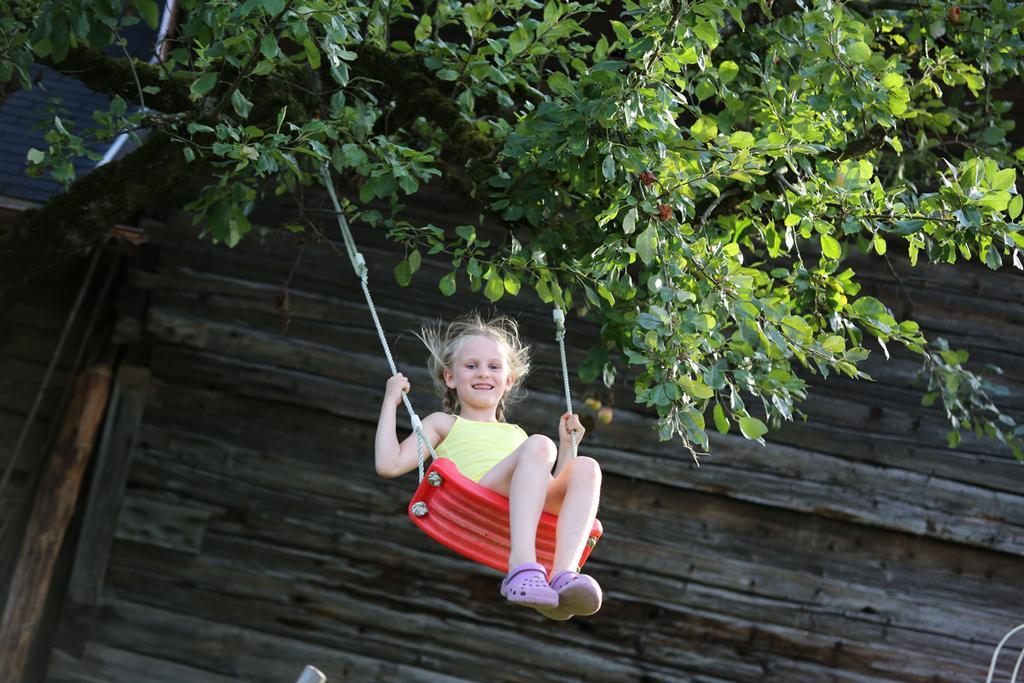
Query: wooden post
x,y
51,511
113,457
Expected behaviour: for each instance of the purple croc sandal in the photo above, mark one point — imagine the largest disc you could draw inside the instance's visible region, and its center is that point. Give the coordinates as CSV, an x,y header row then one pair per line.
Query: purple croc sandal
x,y
526,584
578,595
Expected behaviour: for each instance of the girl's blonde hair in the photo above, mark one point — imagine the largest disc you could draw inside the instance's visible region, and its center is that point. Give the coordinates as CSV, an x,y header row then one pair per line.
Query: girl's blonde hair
x,y
444,344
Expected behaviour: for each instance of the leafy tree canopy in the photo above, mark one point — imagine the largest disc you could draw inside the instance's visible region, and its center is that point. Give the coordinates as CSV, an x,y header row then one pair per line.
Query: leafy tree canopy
x,y
690,173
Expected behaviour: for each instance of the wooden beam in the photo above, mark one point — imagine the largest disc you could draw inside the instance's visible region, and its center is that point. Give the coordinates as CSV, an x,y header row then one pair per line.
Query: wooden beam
x,y
48,522
113,457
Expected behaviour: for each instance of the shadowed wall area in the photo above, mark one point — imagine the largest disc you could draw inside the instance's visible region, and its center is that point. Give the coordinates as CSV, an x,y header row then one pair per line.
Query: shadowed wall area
x,y
233,528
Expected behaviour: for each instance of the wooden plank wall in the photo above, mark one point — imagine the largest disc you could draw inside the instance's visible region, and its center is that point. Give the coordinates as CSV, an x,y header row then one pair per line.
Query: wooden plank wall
x,y
253,536
31,320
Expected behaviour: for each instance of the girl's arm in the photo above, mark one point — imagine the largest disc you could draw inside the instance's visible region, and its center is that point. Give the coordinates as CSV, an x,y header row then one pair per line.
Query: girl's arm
x,y
392,459
569,422
564,456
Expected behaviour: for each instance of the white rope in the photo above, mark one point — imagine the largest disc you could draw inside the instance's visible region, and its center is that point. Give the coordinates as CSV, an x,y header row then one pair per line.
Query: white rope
x,y
559,318
311,674
995,655
359,265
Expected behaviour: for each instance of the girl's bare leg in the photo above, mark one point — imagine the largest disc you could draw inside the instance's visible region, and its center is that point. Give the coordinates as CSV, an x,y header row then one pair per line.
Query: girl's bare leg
x,y
581,483
524,477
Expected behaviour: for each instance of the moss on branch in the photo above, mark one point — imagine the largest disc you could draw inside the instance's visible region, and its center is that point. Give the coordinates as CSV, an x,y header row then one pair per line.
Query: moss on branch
x,y
73,221
416,91
114,76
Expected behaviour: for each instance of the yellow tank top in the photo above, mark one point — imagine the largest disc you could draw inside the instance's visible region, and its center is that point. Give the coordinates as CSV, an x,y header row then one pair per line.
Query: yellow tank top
x,y
476,447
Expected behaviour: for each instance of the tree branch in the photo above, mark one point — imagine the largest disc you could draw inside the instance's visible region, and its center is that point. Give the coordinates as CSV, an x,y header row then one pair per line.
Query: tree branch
x,y
416,92
74,220
754,15
869,142
115,76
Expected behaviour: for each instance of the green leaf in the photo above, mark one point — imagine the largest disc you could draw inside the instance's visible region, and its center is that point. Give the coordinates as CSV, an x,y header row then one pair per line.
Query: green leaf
x,y
647,245
869,307
707,33
908,227
423,28
560,84
996,200
35,156
543,291
704,322
741,139
727,71
704,129
518,40
688,56
1004,179
241,105
721,421
621,32
1015,207
833,343
512,284
752,428
608,168
629,221
466,232
975,83
858,52
495,289
993,259
830,246
696,388
149,11
403,274
415,259
447,284
312,55
268,46
202,85
993,135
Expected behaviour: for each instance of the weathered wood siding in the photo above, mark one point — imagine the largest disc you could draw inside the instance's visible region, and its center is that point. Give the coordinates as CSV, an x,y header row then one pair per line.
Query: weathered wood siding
x,y
253,536
31,320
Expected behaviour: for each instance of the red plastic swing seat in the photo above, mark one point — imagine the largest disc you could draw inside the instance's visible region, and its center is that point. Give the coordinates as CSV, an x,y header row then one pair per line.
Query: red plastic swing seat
x,y
472,520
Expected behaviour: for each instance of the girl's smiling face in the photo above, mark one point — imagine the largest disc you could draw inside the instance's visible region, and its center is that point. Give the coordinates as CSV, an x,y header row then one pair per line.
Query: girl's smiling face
x,y
480,373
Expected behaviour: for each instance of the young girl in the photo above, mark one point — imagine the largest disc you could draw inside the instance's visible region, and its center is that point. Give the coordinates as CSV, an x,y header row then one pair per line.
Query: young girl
x,y
478,368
